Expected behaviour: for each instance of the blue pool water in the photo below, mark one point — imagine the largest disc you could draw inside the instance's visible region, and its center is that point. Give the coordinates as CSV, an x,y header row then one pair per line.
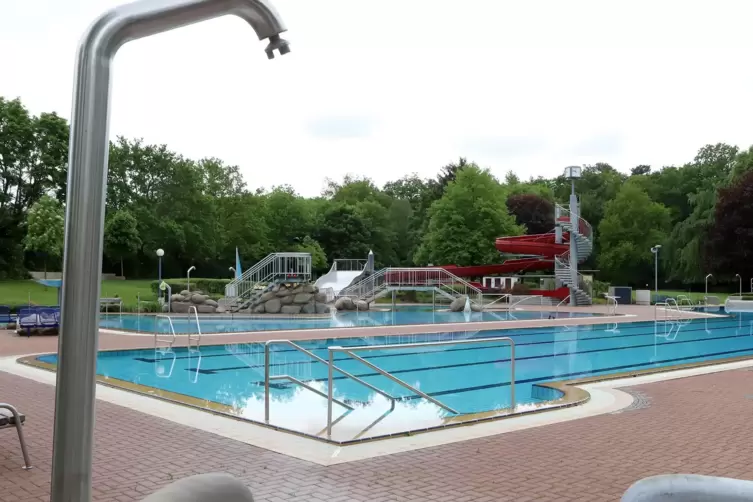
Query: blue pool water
x,y
471,378
239,323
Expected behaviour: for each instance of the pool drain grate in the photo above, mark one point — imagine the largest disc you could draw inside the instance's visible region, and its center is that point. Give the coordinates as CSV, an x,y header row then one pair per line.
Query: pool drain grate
x,y
640,401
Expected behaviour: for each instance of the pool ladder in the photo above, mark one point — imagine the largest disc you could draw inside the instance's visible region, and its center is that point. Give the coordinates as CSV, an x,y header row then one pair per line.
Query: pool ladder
x,y
165,341
350,351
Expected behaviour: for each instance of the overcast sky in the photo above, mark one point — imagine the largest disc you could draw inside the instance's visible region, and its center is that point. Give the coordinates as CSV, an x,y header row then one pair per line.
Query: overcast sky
x,y
385,88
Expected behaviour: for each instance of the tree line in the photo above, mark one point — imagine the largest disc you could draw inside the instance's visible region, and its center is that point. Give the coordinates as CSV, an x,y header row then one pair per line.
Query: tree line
x,y
199,211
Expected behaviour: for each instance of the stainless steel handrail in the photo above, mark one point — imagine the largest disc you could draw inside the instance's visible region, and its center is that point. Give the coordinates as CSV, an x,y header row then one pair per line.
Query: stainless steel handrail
x,y
528,297
316,358
669,305
611,304
349,351
191,336
684,301
309,387
503,296
567,298
167,341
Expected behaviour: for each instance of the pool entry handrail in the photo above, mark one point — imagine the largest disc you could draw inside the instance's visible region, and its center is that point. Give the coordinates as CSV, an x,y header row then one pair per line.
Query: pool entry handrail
x,y
502,297
73,435
267,378
611,304
669,306
349,351
163,342
194,337
564,300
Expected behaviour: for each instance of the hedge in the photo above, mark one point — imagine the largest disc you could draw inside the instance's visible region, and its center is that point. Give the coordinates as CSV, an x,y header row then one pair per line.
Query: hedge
x,y
206,286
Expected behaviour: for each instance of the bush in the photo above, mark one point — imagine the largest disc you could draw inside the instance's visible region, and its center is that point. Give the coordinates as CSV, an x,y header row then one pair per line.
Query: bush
x,y
599,288
207,286
520,288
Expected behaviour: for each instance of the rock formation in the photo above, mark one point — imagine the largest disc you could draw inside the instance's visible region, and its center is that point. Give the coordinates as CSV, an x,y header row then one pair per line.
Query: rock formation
x,y
346,303
181,302
287,299
458,304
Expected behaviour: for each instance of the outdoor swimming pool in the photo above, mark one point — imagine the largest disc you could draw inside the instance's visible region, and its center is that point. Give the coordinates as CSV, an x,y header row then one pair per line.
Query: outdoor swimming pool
x,y
241,323
471,378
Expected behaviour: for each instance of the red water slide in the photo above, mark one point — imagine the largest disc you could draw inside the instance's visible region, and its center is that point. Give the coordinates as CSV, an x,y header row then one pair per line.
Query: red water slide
x,y
540,250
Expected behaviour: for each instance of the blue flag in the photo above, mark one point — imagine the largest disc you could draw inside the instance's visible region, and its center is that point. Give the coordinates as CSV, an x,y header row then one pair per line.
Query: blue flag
x,y
238,272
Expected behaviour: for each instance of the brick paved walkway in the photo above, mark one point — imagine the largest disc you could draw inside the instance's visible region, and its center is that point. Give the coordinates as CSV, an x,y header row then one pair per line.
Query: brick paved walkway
x,y
693,425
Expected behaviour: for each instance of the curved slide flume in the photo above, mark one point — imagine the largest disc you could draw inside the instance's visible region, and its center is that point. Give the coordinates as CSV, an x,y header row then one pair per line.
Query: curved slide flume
x,y
539,252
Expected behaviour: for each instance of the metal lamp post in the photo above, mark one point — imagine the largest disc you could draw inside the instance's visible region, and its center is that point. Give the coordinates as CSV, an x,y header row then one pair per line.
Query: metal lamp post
x,y
655,250
707,283
573,172
740,280
188,278
231,269
160,254
85,210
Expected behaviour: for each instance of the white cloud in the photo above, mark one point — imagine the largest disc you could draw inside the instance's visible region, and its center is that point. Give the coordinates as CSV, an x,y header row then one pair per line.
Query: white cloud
x,y
409,85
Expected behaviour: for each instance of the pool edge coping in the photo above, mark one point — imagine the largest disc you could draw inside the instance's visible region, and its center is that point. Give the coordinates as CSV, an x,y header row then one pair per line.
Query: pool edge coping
x,y
605,397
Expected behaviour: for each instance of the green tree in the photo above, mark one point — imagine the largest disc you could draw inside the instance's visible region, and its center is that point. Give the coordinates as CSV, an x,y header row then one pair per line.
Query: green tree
x,y
730,238
344,233
632,224
46,227
318,256
466,220
121,237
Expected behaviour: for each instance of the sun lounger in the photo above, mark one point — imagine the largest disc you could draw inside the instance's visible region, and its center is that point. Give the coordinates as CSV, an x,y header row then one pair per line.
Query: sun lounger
x,y
48,317
5,316
28,319
38,317
10,417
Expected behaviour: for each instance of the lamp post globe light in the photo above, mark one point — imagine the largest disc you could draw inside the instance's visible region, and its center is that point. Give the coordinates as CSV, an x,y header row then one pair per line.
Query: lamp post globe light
x,y
231,269
655,250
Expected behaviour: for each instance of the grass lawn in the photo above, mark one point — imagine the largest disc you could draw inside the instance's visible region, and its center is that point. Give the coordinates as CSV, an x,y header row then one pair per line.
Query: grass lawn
x,y
19,292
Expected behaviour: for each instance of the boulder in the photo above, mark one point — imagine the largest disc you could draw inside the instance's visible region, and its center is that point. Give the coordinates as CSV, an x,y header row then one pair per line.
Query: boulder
x,y
284,291
220,310
267,296
320,297
287,300
205,309
302,298
458,304
177,298
273,306
344,303
259,309
310,289
361,305
276,288
180,307
291,309
186,293
198,298
211,302
309,308
322,308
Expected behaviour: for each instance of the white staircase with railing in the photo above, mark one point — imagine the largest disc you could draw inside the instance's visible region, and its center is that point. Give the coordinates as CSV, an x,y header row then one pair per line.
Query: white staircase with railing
x,y
418,279
274,268
583,236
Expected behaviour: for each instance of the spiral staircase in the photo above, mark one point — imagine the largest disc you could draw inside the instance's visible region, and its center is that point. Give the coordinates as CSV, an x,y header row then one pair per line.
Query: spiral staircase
x,y
583,236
